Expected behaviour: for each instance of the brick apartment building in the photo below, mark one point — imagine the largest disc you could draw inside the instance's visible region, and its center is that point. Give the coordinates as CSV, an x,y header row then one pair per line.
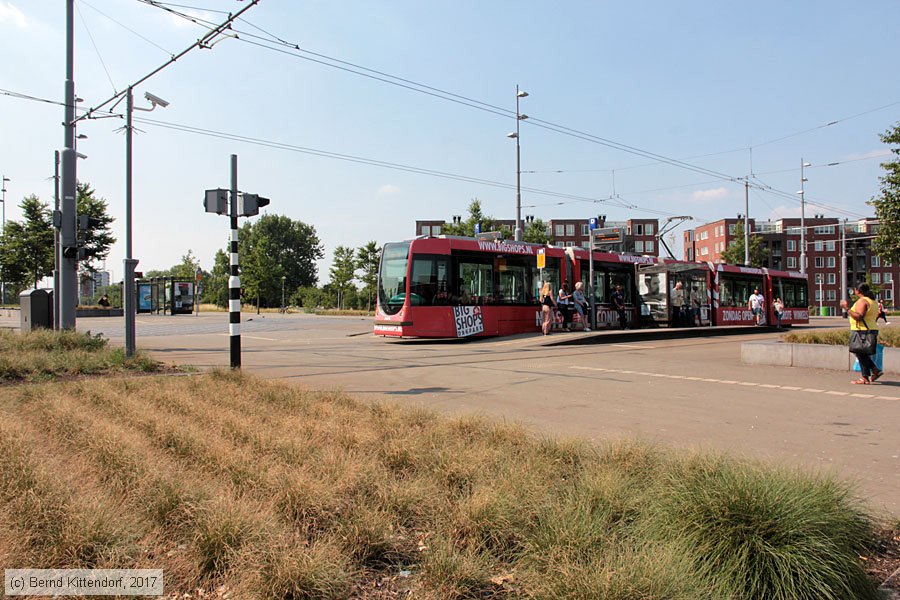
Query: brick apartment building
x,y
823,256
640,234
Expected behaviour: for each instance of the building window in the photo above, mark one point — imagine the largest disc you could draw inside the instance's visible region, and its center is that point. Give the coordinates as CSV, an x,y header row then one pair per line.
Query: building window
x,y
649,247
570,244
560,230
876,262
585,245
832,279
791,262
818,295
887,262
570,230
818,246
830,262
690,254
793,231
704,251
888,294
584,229
704,235
648,229
831,295
829,246
426,230
876,277
888,278
820,262
792,245
639,246
824,230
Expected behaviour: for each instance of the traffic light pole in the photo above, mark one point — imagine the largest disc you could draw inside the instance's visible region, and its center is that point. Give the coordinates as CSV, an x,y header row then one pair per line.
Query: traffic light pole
x,y
234,281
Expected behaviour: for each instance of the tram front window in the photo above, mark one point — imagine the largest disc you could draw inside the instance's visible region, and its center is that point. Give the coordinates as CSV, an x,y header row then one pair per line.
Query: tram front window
x,y
392,277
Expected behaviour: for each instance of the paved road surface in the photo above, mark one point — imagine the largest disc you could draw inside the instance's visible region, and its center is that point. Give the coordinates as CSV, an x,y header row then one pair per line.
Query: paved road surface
x,y
685,392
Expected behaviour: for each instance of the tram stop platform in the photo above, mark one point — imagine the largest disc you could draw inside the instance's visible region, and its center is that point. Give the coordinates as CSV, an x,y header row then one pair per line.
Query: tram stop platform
x,y
617,336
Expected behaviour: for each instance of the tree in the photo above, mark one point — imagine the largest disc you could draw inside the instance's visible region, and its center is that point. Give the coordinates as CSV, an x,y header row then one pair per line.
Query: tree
x,y
537,232
887,205
368,258
734,253
260,273
97,239
187,268
215,283
343,270
476,216
26,249
294,245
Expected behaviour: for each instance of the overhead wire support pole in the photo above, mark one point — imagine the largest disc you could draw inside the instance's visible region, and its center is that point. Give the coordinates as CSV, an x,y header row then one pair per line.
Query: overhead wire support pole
x,y
68,281
747,222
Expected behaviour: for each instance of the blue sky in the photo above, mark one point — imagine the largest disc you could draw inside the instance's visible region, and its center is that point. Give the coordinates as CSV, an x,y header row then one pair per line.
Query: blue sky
x,y
700,81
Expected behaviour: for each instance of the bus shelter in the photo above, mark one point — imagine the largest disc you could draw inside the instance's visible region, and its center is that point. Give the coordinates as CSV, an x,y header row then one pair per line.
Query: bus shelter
x,y
674,294
165,295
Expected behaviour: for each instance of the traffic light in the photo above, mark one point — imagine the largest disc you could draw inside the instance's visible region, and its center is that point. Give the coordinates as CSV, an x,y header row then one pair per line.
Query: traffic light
x,y
249,204
86,222
216,201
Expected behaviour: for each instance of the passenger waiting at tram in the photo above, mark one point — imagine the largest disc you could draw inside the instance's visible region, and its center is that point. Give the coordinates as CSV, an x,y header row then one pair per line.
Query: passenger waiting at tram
x,y
547,306
564,303
581,305
678,315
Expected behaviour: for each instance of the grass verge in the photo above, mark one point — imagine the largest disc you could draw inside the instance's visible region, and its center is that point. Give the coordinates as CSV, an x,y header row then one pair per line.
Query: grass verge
x,y
43,354
229,482
888,337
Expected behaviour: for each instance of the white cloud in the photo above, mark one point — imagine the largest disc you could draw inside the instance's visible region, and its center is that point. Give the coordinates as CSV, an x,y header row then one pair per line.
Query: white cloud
x,y
11,14
865,155
387,190
713,194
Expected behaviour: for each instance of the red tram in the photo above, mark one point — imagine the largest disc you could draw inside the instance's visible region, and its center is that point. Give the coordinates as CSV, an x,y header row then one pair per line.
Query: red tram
x,y
446,287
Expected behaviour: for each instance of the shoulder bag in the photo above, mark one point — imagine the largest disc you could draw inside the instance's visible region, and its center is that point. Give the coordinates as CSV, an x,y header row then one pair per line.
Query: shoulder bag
x,y
864,342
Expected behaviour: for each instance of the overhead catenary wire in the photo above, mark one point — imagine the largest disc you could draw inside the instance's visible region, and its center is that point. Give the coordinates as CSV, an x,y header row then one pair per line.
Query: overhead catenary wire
x,y
126,27
292,49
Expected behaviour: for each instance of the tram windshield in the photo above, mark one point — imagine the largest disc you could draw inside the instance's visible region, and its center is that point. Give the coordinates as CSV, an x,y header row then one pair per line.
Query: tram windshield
x,y
392,277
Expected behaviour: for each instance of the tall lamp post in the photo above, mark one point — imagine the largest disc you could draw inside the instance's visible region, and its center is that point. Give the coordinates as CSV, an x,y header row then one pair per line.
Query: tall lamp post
x,y
515,135
803,180
128,292
3,200
283,278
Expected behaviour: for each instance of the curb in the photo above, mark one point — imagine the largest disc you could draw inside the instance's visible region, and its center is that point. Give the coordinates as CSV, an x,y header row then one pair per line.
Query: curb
x,y
811,356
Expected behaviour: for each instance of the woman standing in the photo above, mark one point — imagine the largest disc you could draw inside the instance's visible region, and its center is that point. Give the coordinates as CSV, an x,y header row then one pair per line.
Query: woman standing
x,y
864,333
547,306
563,302
581,305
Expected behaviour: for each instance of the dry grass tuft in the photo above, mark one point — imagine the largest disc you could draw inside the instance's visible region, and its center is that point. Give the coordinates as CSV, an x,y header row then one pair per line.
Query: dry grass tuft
x,y
275,492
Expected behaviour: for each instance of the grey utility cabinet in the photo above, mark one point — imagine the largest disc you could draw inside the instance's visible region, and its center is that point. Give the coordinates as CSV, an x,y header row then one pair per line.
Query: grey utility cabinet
x,y
37,310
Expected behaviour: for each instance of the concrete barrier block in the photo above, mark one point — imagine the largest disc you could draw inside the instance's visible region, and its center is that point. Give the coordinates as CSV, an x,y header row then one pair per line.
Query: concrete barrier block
x,y
820,356
766,353
891,360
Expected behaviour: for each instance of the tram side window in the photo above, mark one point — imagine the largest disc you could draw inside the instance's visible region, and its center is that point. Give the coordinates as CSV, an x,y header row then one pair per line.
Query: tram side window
x,y
429,283
513,284
793,294
736,292
602,292
626,280
476,283
549,273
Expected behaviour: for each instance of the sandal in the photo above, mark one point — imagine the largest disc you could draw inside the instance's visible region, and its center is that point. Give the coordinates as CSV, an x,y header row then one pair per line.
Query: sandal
x,y
876,374
860,381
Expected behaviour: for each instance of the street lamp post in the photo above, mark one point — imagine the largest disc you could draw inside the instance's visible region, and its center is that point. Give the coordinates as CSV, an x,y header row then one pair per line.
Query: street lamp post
x,y
515,135
283,278
128,292
803,180
3,232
